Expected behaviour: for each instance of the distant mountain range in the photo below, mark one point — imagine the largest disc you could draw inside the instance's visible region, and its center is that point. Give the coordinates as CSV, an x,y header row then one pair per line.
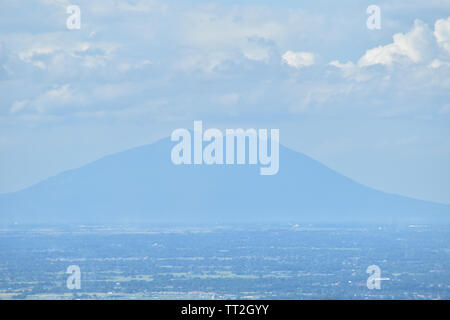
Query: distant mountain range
x,y
143,185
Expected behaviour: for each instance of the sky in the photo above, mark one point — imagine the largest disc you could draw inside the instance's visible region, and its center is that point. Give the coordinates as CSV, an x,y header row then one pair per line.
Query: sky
x,y
372,104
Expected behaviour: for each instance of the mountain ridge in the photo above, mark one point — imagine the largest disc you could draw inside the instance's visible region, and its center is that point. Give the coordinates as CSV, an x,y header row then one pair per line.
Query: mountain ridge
x,y
142,184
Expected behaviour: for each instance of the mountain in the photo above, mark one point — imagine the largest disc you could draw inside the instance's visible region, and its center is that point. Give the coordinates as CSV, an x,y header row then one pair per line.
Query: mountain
x,y
142,184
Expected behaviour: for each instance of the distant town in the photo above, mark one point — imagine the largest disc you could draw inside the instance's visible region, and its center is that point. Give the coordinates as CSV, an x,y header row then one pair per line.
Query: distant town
x,y
289,261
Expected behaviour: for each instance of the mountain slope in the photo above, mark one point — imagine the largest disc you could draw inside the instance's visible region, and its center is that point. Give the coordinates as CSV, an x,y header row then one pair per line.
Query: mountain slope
x,y
142,184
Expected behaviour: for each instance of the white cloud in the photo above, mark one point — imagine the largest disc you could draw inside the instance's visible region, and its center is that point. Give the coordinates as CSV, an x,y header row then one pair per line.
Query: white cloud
x,y
415,46
445,109
113,91
228,30
415,59
60,97
217,36
442,33
127,66
60,3
206,62
18,106
59,54
436,63
351,71
299,59
257,53
139,5
109,6
227,99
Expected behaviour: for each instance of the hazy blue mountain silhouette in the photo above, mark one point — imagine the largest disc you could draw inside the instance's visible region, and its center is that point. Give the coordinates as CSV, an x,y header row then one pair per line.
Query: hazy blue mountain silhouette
x,y
142,184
